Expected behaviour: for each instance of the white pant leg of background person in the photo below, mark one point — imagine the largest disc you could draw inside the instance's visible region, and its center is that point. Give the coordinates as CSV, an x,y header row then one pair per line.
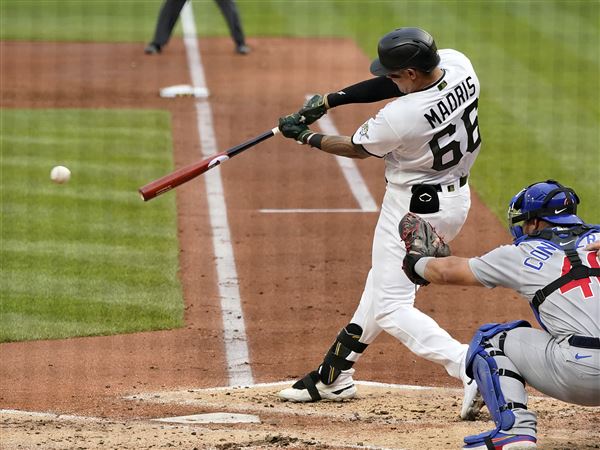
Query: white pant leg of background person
x,y
388,300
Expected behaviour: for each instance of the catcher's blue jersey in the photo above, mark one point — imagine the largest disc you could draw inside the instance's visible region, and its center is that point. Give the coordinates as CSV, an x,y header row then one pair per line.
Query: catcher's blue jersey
x,y
531,265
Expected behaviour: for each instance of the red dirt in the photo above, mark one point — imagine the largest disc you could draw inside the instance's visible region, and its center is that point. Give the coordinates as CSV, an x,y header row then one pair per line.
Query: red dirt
x,y
300,276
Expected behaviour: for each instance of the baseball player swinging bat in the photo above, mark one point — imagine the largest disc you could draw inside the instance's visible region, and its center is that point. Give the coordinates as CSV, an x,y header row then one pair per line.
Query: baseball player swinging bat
x,y
185,174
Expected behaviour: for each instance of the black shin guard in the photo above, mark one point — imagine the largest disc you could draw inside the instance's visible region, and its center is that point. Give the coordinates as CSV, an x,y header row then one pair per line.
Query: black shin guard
x,y
336,358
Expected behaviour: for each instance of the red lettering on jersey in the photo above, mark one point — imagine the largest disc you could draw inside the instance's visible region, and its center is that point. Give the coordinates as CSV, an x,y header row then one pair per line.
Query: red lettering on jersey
x,y
583,283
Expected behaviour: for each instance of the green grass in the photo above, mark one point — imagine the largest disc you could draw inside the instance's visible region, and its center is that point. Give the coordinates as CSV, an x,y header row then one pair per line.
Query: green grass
x,y
538,61
87,257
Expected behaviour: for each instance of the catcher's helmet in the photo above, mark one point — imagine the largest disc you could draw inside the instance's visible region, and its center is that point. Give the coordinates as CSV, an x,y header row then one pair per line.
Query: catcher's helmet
x,y
547,200
405,48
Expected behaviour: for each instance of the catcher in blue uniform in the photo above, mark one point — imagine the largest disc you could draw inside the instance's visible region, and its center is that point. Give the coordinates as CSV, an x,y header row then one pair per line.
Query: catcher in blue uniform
x,y
553,263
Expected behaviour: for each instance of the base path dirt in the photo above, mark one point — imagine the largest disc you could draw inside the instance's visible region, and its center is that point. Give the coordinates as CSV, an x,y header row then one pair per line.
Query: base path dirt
x,y
300,275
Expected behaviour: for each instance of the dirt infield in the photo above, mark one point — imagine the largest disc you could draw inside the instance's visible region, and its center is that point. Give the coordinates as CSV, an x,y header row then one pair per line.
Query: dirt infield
x,y
383,417
300,275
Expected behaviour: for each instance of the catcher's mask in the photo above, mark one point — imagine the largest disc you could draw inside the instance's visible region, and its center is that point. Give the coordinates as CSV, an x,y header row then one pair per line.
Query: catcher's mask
x,y
404,48
547,200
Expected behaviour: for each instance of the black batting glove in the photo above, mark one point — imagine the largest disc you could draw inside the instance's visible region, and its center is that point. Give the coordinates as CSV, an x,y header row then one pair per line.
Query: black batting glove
x,y
314,108
292,126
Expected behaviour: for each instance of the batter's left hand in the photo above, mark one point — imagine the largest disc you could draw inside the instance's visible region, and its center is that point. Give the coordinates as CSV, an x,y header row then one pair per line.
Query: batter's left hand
x,y
293,127
314,108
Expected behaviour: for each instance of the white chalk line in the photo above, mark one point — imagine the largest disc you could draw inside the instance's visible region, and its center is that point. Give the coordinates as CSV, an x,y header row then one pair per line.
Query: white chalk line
x,y
287,382
166,422
55,416
234,329
156,397
311,210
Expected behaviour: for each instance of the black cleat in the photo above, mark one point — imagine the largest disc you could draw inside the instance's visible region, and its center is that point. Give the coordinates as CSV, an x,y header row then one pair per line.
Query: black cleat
x,y
152,49
242,49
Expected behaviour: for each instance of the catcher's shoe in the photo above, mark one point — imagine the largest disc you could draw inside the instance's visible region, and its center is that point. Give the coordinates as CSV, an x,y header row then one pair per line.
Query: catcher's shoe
x,y
503,441
311,389
472,402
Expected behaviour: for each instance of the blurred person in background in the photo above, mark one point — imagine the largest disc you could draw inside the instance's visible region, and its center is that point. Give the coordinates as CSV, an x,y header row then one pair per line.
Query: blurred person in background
x,y
169,13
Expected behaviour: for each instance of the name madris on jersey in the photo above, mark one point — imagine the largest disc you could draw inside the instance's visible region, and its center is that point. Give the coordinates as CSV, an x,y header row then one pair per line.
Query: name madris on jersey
x,y
451,101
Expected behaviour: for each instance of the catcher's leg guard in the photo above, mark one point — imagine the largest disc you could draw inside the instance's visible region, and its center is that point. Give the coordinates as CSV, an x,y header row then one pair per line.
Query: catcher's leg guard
x,y
482,366
337,358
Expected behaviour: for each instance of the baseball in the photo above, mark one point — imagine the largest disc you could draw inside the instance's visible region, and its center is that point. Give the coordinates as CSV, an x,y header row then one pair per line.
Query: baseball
x,y
60,174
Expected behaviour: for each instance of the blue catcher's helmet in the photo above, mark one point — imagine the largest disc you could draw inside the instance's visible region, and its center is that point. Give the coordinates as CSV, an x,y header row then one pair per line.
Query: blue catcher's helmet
x,y
547,200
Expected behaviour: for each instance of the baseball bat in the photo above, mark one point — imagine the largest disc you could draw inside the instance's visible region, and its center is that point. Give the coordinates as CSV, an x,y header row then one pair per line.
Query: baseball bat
x,y
185,174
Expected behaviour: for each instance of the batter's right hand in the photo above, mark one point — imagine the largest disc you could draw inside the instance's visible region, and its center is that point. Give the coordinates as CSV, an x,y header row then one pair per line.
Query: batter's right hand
x,y
293,127
314,108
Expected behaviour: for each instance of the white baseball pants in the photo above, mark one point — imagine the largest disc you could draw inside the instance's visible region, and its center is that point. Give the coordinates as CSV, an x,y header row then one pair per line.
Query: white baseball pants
x,y
387,302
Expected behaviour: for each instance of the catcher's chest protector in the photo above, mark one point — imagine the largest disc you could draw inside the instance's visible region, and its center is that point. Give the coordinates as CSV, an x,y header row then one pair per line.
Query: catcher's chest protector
x,y
567,240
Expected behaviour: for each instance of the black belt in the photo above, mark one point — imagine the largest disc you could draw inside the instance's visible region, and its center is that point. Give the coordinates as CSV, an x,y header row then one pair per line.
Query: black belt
x,y
584,342
462,181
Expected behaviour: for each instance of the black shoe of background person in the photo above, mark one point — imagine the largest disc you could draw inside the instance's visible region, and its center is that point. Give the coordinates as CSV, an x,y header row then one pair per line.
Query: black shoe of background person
x,y
152,49
242,49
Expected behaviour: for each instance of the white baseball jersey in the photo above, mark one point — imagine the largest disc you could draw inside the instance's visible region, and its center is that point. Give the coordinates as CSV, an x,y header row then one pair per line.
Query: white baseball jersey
x,y
442,144
533,264
425,137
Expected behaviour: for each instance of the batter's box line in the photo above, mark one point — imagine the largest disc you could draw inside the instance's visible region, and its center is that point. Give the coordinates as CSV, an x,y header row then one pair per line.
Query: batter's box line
x,y
156,395
167,422
285,383
315,210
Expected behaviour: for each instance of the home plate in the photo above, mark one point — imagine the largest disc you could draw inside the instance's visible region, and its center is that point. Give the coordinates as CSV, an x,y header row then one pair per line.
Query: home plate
x,y
212,418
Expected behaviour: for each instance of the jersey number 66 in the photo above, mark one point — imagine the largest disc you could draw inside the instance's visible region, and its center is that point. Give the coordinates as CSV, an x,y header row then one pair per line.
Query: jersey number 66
x,y
472,129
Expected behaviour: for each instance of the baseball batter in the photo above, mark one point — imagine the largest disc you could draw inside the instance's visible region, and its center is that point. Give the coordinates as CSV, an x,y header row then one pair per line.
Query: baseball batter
x,y
429,138
553,266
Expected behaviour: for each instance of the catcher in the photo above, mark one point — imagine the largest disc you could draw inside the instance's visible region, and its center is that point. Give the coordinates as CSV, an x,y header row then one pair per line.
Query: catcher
x,y
555,265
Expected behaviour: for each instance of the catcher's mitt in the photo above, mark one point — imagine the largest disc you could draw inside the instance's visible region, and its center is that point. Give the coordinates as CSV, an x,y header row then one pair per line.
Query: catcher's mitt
x,y
421,240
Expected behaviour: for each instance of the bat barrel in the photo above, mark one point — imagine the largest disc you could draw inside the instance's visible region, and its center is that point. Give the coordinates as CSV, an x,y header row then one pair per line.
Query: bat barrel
x,y
174,179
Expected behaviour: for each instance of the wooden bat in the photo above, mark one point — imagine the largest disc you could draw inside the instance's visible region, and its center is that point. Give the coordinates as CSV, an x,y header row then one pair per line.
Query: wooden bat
x,y
185,174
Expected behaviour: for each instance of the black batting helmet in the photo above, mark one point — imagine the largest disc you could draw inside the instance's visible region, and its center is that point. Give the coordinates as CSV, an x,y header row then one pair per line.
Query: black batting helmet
x,y
405,48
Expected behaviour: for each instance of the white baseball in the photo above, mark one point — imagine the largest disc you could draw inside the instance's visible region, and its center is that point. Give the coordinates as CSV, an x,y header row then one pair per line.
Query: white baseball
x,y
60,174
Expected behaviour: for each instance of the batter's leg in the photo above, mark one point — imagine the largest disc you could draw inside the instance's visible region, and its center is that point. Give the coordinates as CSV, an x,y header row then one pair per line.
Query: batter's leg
x,y
333,379
394,296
